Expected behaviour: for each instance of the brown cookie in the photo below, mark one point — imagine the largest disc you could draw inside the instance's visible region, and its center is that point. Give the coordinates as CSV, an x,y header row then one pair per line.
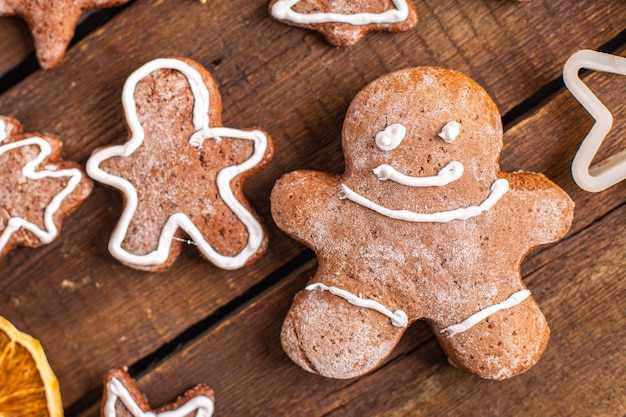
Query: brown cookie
x,y
52,23
122,398
37,188
423,225
181,172
345,23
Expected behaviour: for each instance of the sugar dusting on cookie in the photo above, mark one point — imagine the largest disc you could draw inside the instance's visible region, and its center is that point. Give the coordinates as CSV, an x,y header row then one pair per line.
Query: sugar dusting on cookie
x,y
173,111
38,188
345,22
426,225
122,398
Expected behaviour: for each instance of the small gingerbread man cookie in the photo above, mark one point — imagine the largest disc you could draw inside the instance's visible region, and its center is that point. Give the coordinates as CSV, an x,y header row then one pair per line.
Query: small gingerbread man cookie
x,y
122,398
422,226
37,188
345,23
52,23
181,172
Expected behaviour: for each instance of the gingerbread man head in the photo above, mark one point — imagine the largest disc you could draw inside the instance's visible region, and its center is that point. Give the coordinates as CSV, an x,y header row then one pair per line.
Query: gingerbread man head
x,y
422,225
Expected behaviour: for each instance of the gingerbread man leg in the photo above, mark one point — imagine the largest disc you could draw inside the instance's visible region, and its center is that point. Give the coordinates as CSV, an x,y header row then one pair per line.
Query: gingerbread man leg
x,y
500,343
336,338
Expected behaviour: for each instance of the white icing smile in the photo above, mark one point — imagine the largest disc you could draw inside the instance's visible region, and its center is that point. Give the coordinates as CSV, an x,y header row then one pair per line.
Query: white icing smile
x,y
282,10
451,172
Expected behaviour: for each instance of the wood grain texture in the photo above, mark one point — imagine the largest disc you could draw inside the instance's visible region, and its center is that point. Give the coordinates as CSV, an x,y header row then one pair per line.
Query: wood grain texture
x,y
91,313
556,129
581,292
15,43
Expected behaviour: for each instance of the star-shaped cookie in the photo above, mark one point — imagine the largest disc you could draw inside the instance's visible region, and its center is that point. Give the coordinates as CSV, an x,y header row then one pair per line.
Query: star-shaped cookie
x,y
181,173
345,23
122,398
37,188
52,23
612,170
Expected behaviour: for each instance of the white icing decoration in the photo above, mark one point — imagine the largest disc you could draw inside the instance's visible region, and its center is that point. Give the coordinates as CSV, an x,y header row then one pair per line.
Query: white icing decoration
x,y
398,318
498,189
390,138
3,131
224,177
450,131
450,173
282,10
202,405
612,169
29,171
476,318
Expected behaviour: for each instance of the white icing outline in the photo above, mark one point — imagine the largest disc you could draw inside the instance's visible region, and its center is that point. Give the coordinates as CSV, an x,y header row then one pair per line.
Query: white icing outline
x,y
398,318
282,10
498,189
203,405
28,171
610,171
390,138
450,131
471,321
224,177
3,130
450,173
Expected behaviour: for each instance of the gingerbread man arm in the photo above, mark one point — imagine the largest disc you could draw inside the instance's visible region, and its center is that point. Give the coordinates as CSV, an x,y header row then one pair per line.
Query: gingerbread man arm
x,y
52,23
548,210
303,205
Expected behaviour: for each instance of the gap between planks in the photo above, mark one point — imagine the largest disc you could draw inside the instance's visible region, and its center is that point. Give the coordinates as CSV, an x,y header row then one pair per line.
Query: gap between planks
x,y
143,365
306,258
419,348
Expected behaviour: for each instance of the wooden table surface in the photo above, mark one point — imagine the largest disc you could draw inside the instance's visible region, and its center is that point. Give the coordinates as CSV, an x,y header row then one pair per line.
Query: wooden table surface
x,y
195,323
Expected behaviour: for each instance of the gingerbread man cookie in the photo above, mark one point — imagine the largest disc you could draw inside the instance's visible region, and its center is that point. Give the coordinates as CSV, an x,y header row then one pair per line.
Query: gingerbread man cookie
x,y
37,188
345,23
52,23
421,226
122,398
181,172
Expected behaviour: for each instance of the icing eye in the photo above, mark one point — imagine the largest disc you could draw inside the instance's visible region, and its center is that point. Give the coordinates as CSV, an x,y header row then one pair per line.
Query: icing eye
x,y
450,131
390,138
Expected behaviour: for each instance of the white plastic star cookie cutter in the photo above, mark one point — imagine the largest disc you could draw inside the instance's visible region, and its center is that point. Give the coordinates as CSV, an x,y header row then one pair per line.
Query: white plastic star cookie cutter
x,y
610,171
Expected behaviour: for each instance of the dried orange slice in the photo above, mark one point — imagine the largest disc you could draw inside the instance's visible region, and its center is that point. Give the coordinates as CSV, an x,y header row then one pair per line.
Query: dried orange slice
x,y
28,387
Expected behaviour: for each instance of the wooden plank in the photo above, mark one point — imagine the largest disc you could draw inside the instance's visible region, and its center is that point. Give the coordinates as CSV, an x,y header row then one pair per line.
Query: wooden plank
x,y
581,374
92,313
547,141
15,43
